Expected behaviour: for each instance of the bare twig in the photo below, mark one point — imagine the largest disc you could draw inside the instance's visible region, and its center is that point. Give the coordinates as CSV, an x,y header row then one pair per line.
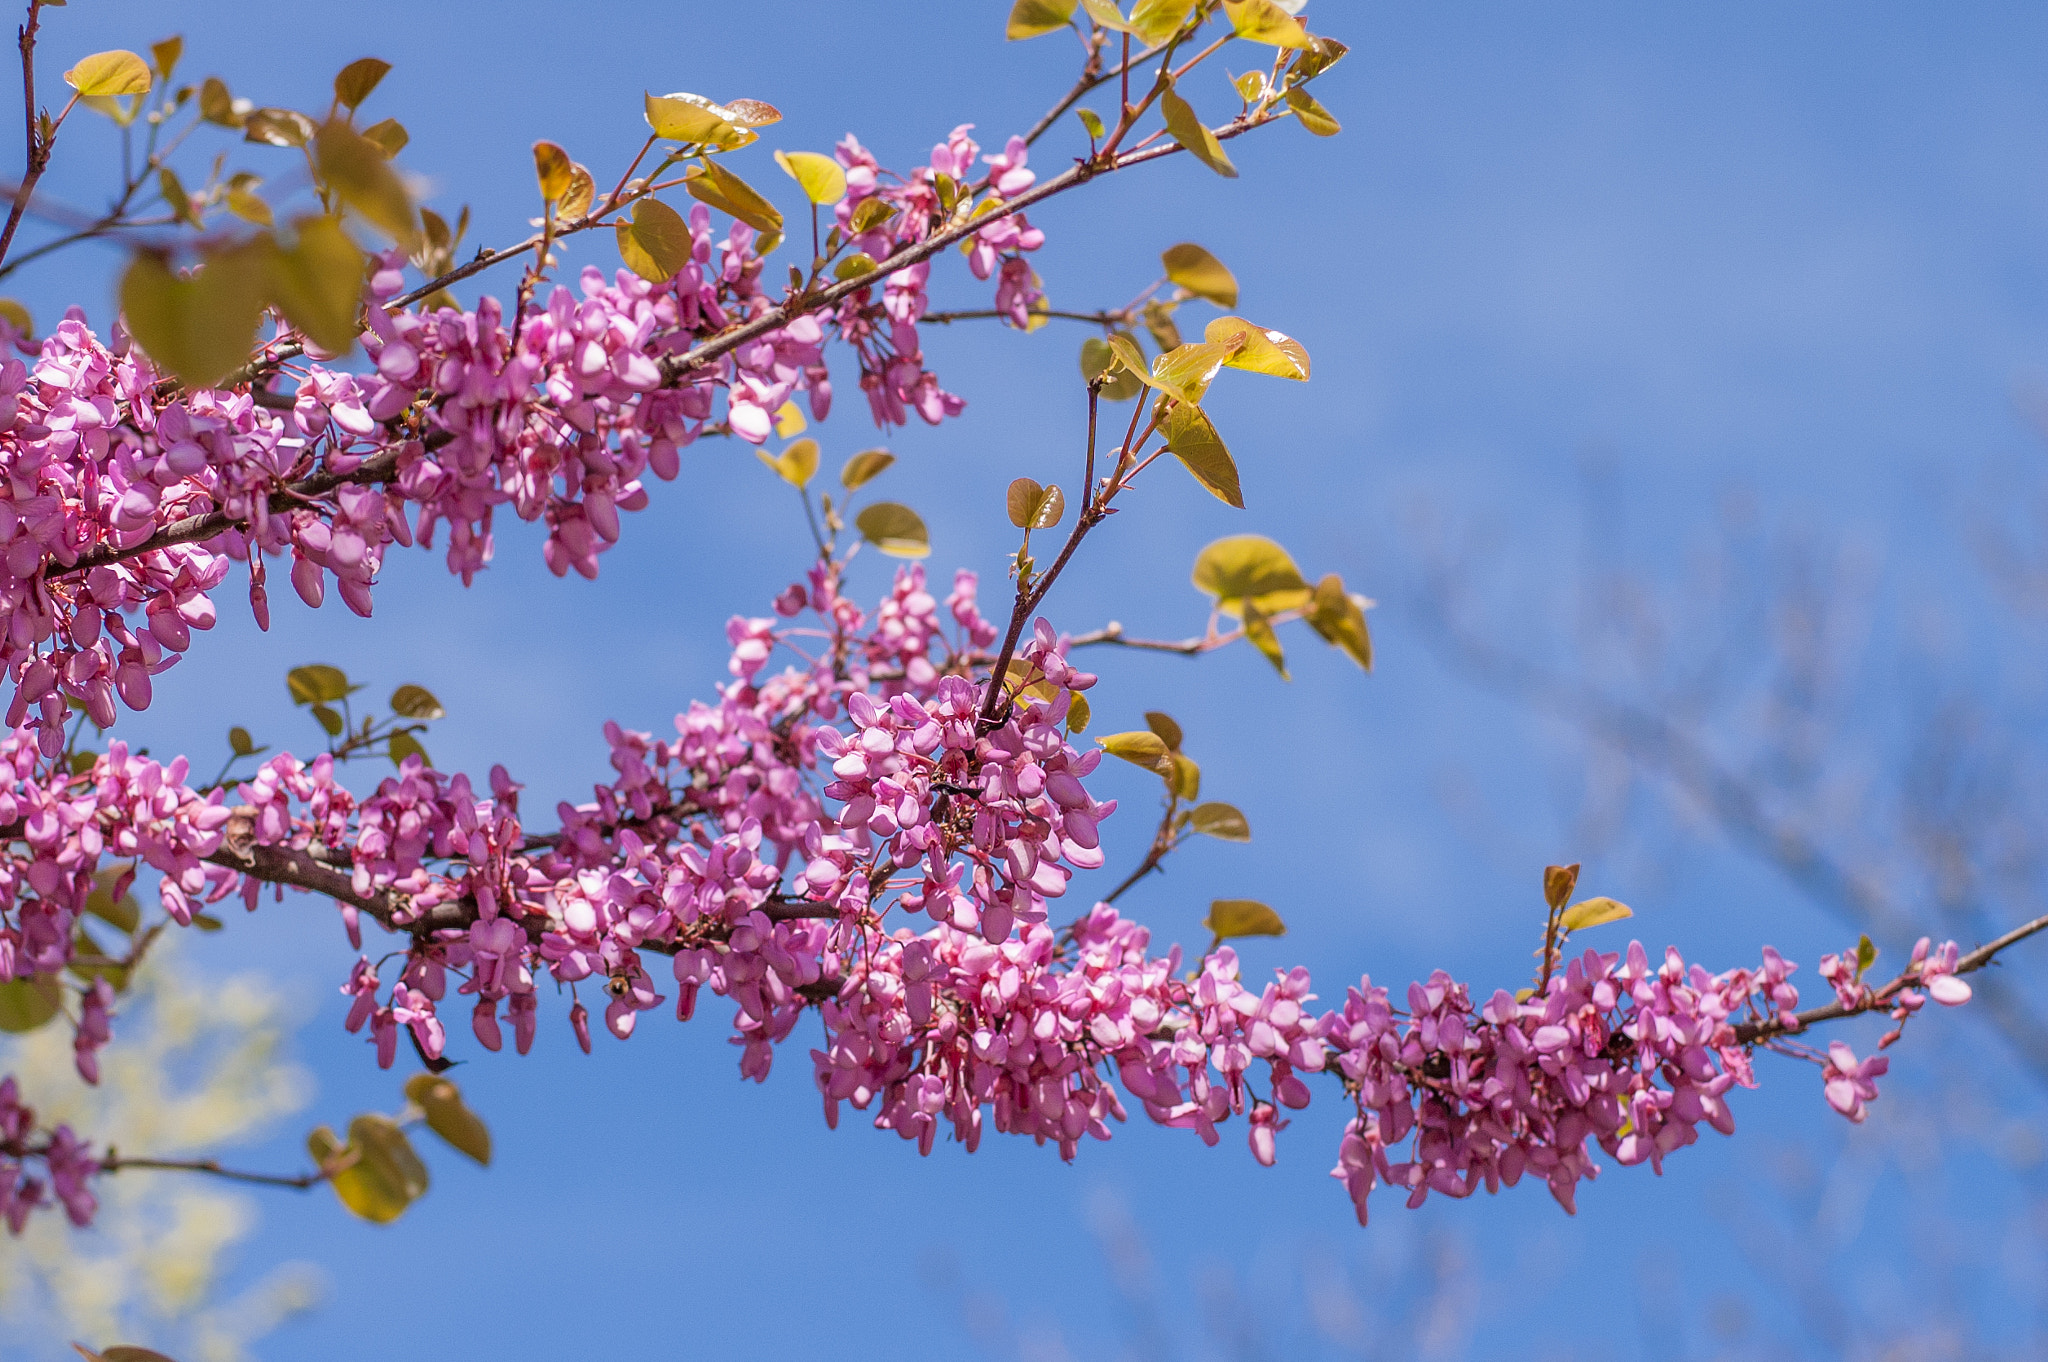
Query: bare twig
x,y
114,1163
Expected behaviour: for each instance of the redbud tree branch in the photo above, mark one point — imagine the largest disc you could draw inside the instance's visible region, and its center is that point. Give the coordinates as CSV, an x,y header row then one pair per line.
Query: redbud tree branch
x,y
114,1163
38,154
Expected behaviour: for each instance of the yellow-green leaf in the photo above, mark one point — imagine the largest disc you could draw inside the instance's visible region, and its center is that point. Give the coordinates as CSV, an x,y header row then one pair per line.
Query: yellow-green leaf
x,y
576,199
1191,132
1593,913
1186,779
355,81
1320,56
403,744
448,1117
1258,630
656,242
1141,748
1312,115
1154,21
124,912
376,1174
869,214
278,128
1249,566
1030,18
244,202
318,284
1165,726
1192,438
1106,15
1259,350
1251,86
199,328
240,743
864,467
796,465
1159,322
1098,359
682,117
1200,273
26,1004
894,529
789,420
354,167
175,197
1243,917
1186,371
318,683
730,194
388,135
1033,507
106,74
416,702
1339,616
217,105
551,166
18,317
1262,21
1077,712
819,176
1221,821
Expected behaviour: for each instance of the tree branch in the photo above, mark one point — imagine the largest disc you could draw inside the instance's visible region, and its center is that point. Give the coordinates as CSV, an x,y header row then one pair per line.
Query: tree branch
x,y
114,1163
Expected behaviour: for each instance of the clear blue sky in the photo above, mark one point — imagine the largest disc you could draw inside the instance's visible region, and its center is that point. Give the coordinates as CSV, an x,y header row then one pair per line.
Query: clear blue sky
x,y
1798,248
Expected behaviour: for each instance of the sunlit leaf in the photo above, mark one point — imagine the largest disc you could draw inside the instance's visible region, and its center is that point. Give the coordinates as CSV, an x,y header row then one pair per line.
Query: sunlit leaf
x,y
1322,54
752,113
730,194
318,283
864,467
278,127
18,317
416,702
819,176
380,1176
1262,21
1030,18
402,745
1192,438
26,1004
1558,882
354,167
1221,821
175,197
1092,121
894,529
448,1117
1158,317
854,266
1163,724
1033,507
318,683
106,74
656,242
355,81
1259,350
576,199
1186,371
330,720
217,105
1154,21
1339,616
166,54
1186,779
789,420
1106,15
869,214
1251,86
1189,130
198,328
1200,273
388,135
1141,748
551,168
244,202
796,465
1258,631
682,117
1250,567
1312,115
1243,917
1593,913
1077,712
1866,949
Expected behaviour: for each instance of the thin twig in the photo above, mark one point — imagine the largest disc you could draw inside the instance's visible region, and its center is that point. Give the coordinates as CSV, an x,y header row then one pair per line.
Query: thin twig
x,y
114,1163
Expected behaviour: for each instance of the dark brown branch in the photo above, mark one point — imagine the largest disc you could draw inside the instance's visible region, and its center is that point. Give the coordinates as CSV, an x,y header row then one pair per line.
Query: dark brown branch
x,y
38,156
114,1163
992,313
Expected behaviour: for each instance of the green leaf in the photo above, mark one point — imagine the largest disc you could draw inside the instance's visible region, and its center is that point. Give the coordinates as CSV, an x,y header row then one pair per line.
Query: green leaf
x,y
355,81
318,283
81,762
1033,507
123,913
1097,358
277,127
1092,121
128,1352
551,168
854,266
175,197
376,1174
576,199
1259,631
318,683
448,1117
1200,273
355,167
656,243
1322,54
1077,712
1159,322
864,467
1262,21
1189,130
682,117
796,465
730,194
106,74
1143,748
403,744
329,720
1163,724
1312,115
1248,567
1339,617
1154,21
1242,917
869,214
1221,821
18,317
896,530
1186,780
1866,951
818,175
245,203
1030,18
1259,350
1251,86
201,328
26,1004
1192,438
388,135
207,922
217,105
1593,913
1106,15
1186,371
416,702
240,743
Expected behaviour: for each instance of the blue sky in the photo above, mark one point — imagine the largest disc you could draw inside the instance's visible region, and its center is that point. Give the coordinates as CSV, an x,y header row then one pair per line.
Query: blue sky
x,y
1793,249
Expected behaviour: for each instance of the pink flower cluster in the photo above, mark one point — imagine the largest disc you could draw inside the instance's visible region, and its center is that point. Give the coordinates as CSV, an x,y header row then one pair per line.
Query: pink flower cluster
x,y
67,1163
557,417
